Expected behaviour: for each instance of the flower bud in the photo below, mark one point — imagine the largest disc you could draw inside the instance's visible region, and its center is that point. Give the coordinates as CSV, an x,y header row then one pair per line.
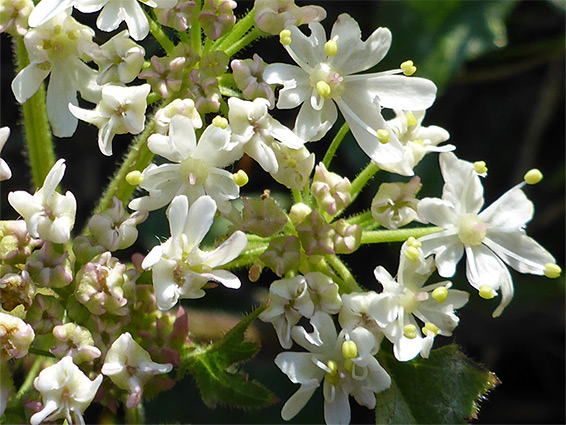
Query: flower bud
x,y
282,255
74,341
295,166
263,217
348,237
179,17
299,212
45,313
395,204
323,292
15,337
86,249
16,288
14,16
316,235
49,269
214,64
331,191
105,285
16,244
217,17
185,107
272,16
248,75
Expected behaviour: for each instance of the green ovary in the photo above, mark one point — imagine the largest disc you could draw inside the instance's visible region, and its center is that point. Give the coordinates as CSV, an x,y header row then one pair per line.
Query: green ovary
x,y
471,229
327,81
195,170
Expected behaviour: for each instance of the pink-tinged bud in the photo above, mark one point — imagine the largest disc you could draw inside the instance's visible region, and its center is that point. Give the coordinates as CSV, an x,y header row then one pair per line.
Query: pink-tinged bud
x,y
348,238
214,64
15,337
185,107
86,249
49,269
179,17
106,285
395,204
263,217
282,255
332,192
45,313
323,292
217,17
16,244
273,16
204,91
316,235
248,75
16,288
75,341
295,166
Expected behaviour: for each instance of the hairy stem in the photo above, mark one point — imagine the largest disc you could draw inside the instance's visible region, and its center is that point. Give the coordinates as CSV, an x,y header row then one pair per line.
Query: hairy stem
x,y
349,283
254,34
160,36
334,145
235,35
401,235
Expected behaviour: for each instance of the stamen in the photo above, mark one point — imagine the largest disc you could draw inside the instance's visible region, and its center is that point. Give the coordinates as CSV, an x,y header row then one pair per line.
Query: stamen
x,y
430,327
413,242
408,68
323,89
486,292
411,119
332,376
412,254
285,37
480,167
440,294
349,349
409,331
552,271
134,178
383,136
220,122
330,48
240,178
533,176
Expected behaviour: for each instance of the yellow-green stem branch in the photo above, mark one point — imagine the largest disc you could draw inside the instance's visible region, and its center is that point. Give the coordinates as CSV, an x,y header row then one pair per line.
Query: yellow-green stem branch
x,y
400,235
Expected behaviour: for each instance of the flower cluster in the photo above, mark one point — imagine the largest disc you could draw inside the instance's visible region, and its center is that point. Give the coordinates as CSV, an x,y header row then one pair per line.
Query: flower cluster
x,y
101,302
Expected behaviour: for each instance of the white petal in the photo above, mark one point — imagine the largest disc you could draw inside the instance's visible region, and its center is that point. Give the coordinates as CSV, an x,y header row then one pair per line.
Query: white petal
x,y
296,84
312,124
338,411
518,250
507,291
462,185
177,214
136,20
307,52
28,81
227,251
285,135
512,210
438,212
298,400
54,177
406,349
61,92
483,267
299,367
47,9
110,17
199,220
153,257
226,278
354,55
446,247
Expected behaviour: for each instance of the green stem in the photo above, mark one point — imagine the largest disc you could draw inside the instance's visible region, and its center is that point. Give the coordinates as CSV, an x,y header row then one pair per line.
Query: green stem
x,y
400,235
196,38
30,376
159,35
334,145
236,33
135,415
38,139
254,34
137,158
361,179
349,282
360,218
297,196
247,258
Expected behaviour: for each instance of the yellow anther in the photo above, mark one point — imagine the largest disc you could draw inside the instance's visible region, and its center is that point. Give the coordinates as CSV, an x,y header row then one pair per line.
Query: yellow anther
x,y
74,34
440,294
533,176
330,48
412,254
480,167
240,178
220,122
349,349
134,178
552,270
383,136
409,331
411,119
285,37
323,89
57,29
413,242
348,365
47,44
332,376
418,142
408,68
486,292
430,327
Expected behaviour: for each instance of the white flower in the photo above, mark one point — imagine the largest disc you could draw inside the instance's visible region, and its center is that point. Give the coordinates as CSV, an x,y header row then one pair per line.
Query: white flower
x,y
197,169
180,267
256,131
490,238
121,110
66,392
417,141
129,367
325,79
15,337
357,310
55,49
48,214
289,302
113,13
345,362
405,299
185,107
5,172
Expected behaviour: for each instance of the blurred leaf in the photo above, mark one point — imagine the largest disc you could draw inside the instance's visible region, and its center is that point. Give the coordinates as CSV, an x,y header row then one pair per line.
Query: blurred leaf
x,y
444,388
439,36
219,380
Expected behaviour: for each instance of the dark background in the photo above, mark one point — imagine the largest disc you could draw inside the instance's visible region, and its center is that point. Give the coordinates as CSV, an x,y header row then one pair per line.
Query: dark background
x,y
500,71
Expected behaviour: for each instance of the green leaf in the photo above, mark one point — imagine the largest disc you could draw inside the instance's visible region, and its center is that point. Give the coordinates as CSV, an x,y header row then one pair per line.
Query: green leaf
x,y
439,36
443,389
218,378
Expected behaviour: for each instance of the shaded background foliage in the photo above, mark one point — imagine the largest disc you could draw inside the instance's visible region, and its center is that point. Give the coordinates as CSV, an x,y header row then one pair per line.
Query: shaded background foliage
x,y
500,67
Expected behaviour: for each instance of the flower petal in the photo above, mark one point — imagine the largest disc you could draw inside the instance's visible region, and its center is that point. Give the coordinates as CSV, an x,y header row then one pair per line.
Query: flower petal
x,y
226,278
337,411
295,81
307,52
462,185
312,124
28,81
199,220
438,212
512,210
446,247
227,251
61,92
